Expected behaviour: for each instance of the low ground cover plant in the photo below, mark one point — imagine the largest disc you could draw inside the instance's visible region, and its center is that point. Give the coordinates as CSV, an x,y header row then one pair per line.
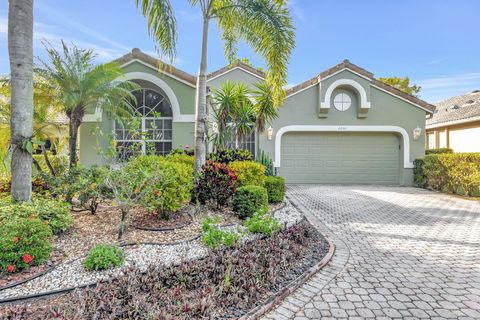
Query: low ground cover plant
x,y
25,241
249,200
450,172
275,188
226,284
263,223
103,257
214,237
55,214
249,172
215,185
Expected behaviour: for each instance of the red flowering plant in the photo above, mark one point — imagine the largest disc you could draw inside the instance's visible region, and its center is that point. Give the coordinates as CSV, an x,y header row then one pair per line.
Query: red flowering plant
x,y
26,241
215,185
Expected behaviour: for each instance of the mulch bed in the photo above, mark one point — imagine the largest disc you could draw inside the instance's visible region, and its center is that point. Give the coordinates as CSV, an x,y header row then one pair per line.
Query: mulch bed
x,y
184,291
8,280
152,222
102,227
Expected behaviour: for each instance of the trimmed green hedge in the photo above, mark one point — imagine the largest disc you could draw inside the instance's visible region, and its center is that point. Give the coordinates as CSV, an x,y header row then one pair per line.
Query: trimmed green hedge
x,y
248,172
438,151
249,200
276,189
450,172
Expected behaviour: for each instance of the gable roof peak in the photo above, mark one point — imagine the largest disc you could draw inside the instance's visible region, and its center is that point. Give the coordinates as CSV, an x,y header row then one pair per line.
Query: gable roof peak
x,y
237,63
137,54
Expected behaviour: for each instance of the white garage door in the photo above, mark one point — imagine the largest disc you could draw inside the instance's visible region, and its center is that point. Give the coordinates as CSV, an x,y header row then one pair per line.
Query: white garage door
x,y
340,158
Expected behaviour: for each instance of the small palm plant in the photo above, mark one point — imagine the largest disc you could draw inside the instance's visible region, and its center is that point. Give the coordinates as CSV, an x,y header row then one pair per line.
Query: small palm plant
x,y
81,85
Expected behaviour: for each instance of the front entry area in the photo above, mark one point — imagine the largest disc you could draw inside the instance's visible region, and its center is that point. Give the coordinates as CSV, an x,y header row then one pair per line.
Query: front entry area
x,y
341,157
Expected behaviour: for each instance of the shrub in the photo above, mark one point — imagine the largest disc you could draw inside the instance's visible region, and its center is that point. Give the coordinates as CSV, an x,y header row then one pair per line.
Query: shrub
x,y
54,213
419,178
181,158
25,242
265,159
183,149
214,237
250,199
438,151
168,186
215,185
453,172
275,188
249,173
104,256
230,155
263,223
65,186
92,189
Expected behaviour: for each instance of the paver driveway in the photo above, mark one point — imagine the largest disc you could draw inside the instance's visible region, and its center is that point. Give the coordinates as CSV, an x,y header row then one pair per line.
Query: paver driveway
x,y
401,253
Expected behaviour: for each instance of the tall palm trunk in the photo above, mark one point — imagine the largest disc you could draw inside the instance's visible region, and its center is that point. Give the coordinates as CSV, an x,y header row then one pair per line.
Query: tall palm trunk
x,y
76,117
201,102
20,50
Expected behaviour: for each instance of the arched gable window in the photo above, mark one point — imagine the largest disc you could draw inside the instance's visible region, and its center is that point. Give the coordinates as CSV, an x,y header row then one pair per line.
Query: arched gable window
x,y
152,133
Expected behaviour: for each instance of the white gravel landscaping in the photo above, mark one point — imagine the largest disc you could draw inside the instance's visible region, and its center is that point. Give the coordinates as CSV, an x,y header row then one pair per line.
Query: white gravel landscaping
x,y
72,274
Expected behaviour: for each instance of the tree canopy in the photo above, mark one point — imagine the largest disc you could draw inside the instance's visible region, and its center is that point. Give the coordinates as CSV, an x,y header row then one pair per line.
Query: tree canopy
x,y
402,84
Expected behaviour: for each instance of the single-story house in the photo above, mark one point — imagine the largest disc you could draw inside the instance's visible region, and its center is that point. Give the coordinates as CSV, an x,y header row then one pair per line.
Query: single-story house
x,y
455,124
342,126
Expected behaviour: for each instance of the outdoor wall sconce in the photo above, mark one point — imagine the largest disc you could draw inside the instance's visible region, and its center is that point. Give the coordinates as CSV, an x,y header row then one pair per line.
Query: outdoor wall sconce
x,y
270,133
416,133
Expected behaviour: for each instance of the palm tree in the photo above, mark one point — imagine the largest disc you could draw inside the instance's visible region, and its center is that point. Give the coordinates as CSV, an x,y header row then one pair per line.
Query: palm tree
x,y
81,85
264,107
20,50
265,25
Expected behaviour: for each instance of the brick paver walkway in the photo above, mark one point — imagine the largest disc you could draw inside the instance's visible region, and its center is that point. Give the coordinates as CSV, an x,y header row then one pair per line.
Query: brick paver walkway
x,y
402,253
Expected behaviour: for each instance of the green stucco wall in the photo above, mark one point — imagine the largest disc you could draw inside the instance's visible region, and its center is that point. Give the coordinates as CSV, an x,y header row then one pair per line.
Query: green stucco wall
x,y
386,110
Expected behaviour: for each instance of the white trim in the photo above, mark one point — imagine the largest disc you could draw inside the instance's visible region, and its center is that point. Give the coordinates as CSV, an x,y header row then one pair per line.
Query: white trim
x,y
401,98
452,123
158,69
352,71
95,117
177,116
301,90
364,103
316,128
234,68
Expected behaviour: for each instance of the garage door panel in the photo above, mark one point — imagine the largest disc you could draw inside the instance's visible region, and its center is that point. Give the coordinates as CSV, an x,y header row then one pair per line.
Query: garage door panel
x,y
319,157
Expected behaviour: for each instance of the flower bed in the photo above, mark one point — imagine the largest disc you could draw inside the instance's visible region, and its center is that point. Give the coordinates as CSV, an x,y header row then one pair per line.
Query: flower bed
x,y
223,284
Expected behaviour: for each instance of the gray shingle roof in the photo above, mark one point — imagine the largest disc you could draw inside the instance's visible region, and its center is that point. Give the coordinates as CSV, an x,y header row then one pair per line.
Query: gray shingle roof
x,y
456,108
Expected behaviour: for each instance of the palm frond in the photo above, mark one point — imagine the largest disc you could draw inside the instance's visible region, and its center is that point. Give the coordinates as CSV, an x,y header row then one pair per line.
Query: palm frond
x,y
267,27
161,23
265,109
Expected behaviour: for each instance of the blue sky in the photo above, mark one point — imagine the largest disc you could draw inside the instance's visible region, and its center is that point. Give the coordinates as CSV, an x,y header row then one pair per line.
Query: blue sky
x,y
434,42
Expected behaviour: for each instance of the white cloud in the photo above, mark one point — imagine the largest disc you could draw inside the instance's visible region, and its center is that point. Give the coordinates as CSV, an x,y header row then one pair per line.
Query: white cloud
x,y
442,87
43,31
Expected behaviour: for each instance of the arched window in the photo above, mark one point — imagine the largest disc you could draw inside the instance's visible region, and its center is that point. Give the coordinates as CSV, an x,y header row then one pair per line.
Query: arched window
x,y
150,131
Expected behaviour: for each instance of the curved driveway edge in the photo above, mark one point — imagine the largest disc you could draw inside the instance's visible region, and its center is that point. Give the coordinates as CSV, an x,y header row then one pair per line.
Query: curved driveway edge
x,y
402,253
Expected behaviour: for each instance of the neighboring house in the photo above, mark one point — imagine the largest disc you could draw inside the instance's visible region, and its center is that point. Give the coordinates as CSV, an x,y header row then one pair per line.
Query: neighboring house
x,y
343,126
455,124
